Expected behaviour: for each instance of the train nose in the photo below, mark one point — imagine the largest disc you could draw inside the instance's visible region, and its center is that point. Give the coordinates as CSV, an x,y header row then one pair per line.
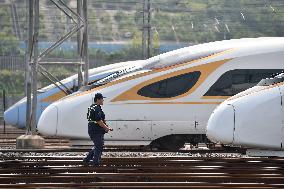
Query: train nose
x,y
220,127
47,124
11,116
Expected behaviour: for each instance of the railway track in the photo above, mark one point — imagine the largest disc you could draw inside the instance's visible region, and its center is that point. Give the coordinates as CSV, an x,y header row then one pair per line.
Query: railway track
x,y
42,171
60,166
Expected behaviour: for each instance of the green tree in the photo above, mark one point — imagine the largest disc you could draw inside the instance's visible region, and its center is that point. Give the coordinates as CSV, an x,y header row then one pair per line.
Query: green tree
x,y
8,44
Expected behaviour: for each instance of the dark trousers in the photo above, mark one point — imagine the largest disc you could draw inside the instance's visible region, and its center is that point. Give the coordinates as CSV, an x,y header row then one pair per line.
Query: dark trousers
x,y
96,152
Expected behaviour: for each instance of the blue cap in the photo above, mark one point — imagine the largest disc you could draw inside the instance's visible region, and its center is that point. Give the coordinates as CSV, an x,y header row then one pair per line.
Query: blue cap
x,y
98,96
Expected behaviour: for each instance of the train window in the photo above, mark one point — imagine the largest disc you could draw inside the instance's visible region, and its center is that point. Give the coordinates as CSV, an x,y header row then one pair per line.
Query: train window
x,y
235,81
170,87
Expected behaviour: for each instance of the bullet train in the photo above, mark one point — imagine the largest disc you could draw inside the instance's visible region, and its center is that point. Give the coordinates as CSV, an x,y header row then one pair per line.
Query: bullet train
x,y
169,100
253,118
16,114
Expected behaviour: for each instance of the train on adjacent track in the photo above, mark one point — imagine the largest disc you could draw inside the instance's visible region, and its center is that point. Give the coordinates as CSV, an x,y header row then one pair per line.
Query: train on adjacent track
x,y
168,100
16,114
253,118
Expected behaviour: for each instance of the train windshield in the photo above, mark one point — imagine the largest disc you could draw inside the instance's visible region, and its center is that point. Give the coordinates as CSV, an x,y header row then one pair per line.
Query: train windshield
x,y
110,77
271,81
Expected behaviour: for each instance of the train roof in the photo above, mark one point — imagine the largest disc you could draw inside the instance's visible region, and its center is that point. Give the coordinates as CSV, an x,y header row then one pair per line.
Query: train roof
x,y
207,49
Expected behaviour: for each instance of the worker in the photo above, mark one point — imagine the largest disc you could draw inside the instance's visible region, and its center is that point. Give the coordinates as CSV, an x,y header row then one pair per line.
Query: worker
x,y
97,127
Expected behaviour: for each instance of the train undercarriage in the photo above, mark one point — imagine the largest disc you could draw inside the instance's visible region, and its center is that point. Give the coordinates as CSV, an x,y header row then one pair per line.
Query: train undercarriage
x,y
175,142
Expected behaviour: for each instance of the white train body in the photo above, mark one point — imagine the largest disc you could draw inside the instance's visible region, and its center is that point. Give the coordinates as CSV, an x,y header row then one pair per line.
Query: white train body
x,y
253,118
173,94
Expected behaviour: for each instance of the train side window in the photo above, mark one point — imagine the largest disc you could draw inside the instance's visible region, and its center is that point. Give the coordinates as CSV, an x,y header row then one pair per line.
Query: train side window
x,y
170,87
235,81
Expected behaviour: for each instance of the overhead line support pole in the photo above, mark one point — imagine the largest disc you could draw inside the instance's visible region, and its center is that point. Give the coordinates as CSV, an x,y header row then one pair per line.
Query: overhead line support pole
x,y
79,43
144,56
149,29
86,40
146,33
29,48
34,68
31,140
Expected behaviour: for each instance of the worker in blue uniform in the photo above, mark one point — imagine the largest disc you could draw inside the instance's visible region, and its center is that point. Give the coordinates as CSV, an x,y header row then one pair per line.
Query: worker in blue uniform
x,y
97,127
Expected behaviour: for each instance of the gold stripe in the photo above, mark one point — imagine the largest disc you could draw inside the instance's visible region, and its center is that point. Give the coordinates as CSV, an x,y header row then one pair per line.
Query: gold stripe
x,y
216,97
205,69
